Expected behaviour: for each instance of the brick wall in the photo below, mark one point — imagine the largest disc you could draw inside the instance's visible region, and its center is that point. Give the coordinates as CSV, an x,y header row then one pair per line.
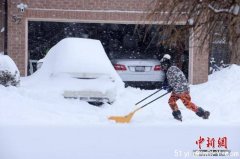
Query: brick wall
x,y
200,66
65,10
1,25
198,59
106,11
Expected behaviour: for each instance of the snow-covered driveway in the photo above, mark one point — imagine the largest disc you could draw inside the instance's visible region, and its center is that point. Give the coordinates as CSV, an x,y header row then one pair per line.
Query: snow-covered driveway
x,y
37,122
40,104
110,141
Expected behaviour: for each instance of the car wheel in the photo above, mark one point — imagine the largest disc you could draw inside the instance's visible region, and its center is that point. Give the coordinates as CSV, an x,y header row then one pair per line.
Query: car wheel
x,y
96,103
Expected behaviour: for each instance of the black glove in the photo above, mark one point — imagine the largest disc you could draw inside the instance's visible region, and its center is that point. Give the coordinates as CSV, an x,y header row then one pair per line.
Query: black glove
x,y
167,88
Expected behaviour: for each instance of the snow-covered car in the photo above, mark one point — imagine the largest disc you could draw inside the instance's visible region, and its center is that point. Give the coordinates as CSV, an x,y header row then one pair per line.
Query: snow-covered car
x,y
81,68
90,90
139,71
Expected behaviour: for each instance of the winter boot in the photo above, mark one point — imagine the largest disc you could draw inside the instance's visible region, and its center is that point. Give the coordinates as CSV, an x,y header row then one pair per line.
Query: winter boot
x,y
202,113
177,115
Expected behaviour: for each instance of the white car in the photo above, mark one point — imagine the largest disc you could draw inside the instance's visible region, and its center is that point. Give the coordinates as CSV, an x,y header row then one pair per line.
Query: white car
x,y
90,91
81,68
139,71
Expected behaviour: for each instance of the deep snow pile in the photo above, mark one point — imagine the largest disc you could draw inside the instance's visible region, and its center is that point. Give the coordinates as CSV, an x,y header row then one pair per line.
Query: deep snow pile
x,y
69,61
42,105
74,55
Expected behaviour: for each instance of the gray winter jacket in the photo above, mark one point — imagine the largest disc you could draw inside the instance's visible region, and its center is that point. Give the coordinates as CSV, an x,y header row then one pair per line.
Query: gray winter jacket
x,y
177,80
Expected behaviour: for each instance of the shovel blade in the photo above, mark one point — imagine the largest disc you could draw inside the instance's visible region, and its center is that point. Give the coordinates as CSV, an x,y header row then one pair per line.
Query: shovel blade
x,y
122,119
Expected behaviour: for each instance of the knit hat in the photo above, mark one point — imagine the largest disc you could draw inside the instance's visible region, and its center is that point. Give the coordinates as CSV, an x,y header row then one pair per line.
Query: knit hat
x,y
165,62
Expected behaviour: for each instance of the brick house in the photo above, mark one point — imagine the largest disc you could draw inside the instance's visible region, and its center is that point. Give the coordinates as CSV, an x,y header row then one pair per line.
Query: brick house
x,y
1,26
87,11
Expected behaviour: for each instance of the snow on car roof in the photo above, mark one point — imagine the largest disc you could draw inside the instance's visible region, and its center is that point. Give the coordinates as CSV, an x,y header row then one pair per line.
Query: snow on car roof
x,y
78,55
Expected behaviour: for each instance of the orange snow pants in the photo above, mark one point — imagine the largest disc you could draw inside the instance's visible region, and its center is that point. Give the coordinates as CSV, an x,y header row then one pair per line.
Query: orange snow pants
x,y
185,98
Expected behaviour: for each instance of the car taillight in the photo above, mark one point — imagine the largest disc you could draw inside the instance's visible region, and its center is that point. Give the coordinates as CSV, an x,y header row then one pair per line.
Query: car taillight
x,y
120,67
157,68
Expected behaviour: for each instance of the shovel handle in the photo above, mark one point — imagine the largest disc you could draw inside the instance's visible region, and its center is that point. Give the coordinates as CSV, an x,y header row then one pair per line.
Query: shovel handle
x,y
152,101
148,97
137,109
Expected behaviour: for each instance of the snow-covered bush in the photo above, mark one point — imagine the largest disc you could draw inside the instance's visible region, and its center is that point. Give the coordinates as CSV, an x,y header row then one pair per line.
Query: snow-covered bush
x,y
213,67
9,73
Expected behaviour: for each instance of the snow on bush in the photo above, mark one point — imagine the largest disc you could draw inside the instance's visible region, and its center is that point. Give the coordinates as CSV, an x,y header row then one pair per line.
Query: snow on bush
x,y
9,73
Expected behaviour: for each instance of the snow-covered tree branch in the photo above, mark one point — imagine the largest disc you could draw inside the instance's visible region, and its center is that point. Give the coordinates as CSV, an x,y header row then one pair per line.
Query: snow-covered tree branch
x,y
207,18
234,9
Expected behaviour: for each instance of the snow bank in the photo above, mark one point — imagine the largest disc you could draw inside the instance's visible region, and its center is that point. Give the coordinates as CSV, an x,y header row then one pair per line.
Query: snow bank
x,y
229,74
38,103
221,95
39,123
115,142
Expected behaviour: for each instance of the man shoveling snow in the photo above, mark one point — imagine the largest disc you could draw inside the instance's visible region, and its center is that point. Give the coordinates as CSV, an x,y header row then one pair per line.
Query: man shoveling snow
x,y
177,83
